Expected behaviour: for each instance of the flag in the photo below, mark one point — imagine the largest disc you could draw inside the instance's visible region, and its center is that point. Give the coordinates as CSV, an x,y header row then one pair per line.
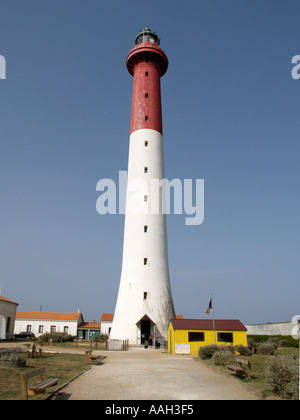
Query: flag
x,y
209,307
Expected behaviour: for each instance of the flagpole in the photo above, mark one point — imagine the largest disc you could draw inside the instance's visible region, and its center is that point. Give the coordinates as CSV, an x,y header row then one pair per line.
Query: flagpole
x,y
213,315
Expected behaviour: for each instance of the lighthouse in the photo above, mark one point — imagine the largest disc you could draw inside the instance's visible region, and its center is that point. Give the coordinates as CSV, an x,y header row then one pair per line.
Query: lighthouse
x,y
145,304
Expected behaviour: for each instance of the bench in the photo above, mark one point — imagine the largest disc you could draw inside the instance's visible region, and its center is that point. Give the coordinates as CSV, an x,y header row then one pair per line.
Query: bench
x,y
39,387
239,368
89,357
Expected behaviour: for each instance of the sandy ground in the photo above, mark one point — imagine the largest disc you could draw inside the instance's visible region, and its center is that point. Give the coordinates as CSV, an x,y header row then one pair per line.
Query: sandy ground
x,y
140,374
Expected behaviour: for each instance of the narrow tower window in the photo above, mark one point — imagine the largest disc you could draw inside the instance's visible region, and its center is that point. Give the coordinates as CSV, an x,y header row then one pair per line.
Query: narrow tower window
x,y
145,197
145,261
146,143
146,117
146,73
146,95
145,228
145,295
145,169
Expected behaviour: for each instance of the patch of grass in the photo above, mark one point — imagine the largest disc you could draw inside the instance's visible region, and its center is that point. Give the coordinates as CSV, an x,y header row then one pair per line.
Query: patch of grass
x,y
258,371
62,366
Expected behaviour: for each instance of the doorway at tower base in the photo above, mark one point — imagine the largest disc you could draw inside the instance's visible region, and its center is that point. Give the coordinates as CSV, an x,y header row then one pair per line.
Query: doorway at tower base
x,y
145,328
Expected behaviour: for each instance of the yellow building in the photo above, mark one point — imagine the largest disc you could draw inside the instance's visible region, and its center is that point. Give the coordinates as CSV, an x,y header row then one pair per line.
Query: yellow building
x,y
185,336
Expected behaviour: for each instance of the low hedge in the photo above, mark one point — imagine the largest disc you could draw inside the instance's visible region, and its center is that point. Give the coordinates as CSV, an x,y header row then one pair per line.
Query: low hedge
x,y
56,337
288,339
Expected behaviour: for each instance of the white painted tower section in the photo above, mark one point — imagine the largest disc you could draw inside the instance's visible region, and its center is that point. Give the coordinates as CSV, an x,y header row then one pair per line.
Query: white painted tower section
x,y
144,303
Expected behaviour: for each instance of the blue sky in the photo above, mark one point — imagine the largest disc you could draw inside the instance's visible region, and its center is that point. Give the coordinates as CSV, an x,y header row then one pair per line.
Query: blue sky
x,y
230,117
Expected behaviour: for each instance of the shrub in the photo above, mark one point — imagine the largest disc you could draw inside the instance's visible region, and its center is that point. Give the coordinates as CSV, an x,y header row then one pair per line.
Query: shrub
x,y
282,374
223,358
230,348
55,337
283,343
206,352
266,349
100,337
274,341
14,355
243,351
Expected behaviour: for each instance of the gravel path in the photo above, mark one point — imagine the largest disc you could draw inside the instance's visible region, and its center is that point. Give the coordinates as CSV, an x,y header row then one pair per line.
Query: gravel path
x,y
140,374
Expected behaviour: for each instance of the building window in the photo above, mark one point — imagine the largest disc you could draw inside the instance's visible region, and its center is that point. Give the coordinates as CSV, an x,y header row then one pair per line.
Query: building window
x,y
146,143
196,336
145,295
41,329
145,169
145,261
145,228
146,117
28,328
225,337
66,329
146,95
145,197
53,328
146,73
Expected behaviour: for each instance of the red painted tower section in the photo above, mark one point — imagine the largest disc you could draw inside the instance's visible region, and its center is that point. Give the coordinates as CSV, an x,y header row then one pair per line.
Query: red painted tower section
x,y
146,62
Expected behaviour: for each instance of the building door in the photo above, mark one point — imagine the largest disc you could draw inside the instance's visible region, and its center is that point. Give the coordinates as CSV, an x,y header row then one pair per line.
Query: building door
x,y
145,330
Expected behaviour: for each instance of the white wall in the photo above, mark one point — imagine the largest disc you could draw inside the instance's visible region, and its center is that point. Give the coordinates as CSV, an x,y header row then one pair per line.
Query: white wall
x,y
21,325
105,326
7,310
274,328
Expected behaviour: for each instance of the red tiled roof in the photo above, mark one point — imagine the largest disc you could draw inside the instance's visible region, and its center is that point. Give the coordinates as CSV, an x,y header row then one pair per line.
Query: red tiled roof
x,y
91,325
70,316
207,324
7,300
107,317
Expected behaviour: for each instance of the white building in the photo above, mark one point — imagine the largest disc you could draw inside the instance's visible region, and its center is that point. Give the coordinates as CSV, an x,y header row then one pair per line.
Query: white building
x,y
7,318
106,323
45,322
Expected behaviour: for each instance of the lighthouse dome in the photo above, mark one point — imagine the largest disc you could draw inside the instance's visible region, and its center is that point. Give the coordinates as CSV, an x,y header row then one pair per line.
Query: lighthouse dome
x,y
146,35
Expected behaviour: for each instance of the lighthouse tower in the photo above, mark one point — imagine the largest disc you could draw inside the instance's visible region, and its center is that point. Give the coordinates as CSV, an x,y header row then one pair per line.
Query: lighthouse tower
x,y
145,304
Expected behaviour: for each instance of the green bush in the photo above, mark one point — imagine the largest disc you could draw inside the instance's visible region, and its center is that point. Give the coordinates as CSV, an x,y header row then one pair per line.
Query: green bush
x,y
100,337
14,355
55,337
243,351
282,374
274,341
283,343
266,349
230,348
206,352
223,358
